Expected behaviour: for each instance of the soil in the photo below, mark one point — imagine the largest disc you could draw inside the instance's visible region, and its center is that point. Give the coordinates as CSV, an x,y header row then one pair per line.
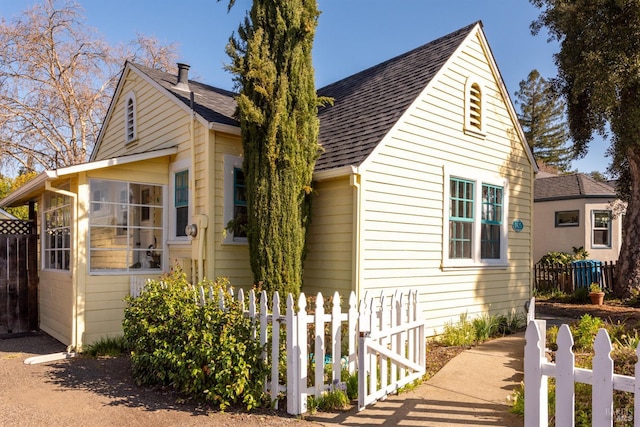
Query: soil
x,y
613,311
102,392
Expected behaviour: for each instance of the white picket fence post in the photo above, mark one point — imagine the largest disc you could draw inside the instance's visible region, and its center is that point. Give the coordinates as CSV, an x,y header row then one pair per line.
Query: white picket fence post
x,y
601,377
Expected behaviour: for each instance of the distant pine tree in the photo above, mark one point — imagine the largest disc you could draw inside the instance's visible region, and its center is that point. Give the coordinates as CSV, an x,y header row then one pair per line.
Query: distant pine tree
x,y
542,119
278,113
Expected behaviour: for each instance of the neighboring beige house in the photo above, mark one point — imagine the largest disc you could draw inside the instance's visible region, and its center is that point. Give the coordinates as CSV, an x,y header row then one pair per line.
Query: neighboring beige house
x,y
425,183
576,211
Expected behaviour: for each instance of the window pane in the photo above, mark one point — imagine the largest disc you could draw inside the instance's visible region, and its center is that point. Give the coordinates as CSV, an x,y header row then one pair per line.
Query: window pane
x,y
182,219
109,259
490,247
601,237
567,218
460,239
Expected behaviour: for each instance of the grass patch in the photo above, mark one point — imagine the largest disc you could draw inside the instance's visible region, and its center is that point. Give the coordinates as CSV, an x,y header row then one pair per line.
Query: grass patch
x,y
106,347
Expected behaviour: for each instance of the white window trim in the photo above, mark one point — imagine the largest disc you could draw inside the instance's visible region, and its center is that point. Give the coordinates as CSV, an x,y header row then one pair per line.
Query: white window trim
x,y
478,178
230,163
468,127
593,228
130,96
174,168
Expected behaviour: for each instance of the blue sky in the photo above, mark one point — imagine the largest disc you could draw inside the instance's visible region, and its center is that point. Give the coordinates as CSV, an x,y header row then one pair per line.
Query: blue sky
x,y
352,35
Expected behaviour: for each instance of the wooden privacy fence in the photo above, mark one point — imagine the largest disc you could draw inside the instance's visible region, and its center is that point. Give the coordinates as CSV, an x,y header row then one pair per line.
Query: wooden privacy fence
x,y
322,342
18,278
537,370
567,278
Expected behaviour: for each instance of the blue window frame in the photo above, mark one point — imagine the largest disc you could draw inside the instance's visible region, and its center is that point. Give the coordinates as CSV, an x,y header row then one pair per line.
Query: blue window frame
x,y
461,208
491,230
181,198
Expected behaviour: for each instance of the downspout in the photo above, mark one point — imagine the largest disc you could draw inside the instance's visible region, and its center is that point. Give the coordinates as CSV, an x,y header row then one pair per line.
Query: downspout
x,y
192,182
355,180
74,276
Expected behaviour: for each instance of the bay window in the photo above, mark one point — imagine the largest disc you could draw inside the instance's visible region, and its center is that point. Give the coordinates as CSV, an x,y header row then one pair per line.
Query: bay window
x,y
125,226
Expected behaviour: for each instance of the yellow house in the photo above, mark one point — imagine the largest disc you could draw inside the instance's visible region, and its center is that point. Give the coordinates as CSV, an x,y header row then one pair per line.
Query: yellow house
x,y
426,182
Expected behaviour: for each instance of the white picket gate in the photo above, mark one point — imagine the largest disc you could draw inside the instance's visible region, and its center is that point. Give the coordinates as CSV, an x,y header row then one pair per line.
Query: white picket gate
x,y
537,370
394,342
392,346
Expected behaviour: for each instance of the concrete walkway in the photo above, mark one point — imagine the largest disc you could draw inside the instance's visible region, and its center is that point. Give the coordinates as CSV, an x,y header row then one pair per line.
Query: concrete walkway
x,y
471,390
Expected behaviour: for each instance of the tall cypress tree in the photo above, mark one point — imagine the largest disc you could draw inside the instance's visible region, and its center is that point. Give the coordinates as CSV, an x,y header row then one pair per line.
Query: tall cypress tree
x,y
542,118
278,113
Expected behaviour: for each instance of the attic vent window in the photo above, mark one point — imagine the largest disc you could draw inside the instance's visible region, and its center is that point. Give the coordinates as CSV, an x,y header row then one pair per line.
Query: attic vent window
x,y
130,118
475,112
474,108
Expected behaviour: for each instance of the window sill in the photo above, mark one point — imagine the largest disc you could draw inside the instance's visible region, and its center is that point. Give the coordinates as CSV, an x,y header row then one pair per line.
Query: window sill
x,y
474,132
471,266
177,242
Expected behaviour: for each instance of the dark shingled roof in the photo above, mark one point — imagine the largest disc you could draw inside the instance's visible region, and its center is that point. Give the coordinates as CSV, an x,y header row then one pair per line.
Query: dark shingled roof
x,y
369,103
574,186
366,104
214,104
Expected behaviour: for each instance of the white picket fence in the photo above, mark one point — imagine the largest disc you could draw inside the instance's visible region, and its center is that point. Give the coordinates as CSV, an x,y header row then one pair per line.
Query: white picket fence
x,y
537,370
389,326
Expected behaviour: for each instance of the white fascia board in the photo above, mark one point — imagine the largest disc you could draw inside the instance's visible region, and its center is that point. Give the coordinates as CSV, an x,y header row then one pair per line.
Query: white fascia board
x,y
335,173
85,167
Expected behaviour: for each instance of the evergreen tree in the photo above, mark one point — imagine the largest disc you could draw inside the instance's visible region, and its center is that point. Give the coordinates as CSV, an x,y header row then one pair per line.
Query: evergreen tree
x,y
542,119
599,77
278,113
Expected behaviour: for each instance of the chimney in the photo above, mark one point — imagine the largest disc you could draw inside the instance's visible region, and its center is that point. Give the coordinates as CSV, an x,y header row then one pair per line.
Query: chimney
x,y
183,77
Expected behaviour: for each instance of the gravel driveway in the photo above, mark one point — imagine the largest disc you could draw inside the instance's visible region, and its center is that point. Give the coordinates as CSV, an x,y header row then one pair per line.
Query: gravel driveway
x,y
97,392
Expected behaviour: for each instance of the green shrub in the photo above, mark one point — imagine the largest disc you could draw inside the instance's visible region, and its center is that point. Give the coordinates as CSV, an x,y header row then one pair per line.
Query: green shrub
x,y
200,350
584,333
484,327
459,334
552,258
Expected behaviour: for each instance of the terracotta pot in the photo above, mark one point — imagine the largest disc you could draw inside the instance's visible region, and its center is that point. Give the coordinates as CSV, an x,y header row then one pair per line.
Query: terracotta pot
x,y
597,298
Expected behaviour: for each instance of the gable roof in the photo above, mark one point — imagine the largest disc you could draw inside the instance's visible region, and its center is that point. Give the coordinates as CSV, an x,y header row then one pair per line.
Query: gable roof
x,y
573,186
369,103
366,105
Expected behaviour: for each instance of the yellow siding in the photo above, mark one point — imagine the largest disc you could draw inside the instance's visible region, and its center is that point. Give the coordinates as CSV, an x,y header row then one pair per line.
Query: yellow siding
x,y
329,264
403,207
55,303
161,123
231,259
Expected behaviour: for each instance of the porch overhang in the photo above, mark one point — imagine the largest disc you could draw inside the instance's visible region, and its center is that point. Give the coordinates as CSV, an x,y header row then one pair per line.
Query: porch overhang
x,y
36,186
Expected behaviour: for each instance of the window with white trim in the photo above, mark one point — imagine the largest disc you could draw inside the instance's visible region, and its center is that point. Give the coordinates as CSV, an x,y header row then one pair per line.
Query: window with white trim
x,y
181,202
474,107
130,118
235,200
57,232
125,226
601,229
475,231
